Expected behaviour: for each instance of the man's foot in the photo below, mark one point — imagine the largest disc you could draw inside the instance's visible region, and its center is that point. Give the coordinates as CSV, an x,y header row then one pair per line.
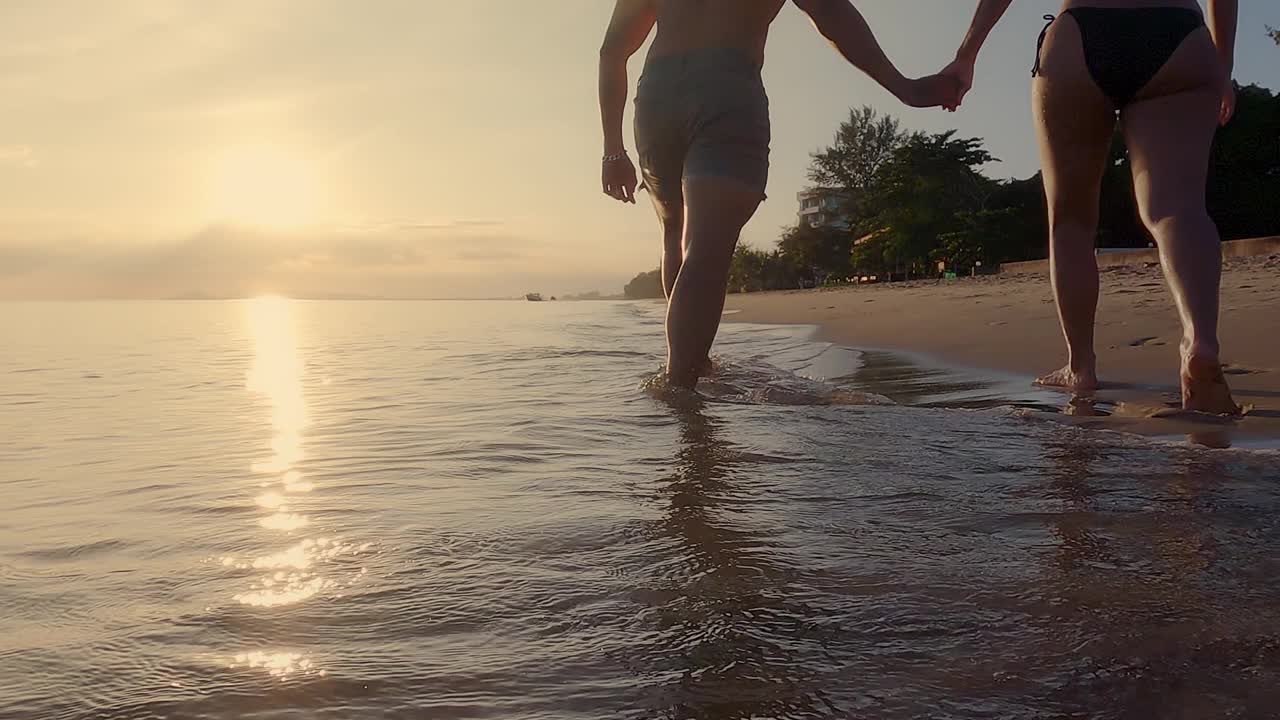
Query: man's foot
x,y
687,378
707,369
1080,382
1204,386
682,381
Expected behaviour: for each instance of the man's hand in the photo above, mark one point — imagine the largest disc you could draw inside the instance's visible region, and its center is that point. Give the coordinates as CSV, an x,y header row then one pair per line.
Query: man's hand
x,y
961,69
618,178
932,91
1228,103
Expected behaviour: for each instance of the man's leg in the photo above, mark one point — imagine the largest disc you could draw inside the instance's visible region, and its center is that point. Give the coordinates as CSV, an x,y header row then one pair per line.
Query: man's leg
x,y
716,209
670,212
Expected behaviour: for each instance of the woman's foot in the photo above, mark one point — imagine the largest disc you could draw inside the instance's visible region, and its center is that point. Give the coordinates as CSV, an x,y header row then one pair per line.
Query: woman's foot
x,y
1081,381
1204,386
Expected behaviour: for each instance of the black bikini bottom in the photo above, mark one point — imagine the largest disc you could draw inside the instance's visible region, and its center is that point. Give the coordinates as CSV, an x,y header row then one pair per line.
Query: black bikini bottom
x,y
1124,48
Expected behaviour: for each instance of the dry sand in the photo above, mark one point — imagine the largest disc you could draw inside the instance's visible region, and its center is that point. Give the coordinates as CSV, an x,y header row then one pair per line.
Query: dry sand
x,y
1009,323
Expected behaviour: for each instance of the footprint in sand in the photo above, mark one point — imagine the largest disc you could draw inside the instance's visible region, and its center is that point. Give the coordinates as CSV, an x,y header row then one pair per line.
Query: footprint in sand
x,y
1242,370
1143,342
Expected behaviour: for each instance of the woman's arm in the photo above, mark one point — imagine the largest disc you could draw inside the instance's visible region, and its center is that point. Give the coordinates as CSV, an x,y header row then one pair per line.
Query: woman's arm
x,y
985,18
1223,19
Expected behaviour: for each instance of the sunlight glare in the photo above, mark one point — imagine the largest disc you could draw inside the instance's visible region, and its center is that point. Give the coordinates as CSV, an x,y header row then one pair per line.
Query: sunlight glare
x,y
263,186
277,374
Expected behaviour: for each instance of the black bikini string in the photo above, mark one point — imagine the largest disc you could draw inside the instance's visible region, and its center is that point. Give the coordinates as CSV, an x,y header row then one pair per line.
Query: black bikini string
x,y
1035,70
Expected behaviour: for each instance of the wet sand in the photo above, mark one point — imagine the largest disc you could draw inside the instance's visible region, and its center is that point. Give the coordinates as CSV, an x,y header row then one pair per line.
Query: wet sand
x,y
1009,323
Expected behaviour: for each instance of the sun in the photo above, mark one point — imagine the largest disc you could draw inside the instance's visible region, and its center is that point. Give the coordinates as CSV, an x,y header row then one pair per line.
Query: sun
x,y
263,186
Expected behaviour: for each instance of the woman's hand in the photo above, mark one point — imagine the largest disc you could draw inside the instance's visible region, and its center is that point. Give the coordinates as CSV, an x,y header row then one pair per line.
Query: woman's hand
x,y
961,70
933,91
618,179
1228,102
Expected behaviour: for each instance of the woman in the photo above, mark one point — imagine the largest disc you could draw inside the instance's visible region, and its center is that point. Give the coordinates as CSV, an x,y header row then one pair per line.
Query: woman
x,y
1165,75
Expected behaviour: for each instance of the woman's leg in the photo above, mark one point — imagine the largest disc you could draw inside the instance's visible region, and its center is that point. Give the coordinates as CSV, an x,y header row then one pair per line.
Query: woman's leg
x,y
1075,123
1169,131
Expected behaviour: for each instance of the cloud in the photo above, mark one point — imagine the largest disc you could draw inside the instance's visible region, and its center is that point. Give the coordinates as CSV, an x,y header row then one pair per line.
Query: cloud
x,y
452,225
485,255
17,156
228,261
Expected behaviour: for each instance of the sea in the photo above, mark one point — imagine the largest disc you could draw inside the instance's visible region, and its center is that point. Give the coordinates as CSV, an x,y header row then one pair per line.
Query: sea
x,y
278,509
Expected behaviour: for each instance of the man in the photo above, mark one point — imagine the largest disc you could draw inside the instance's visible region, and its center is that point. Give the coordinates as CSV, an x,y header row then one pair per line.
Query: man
x,y
702,136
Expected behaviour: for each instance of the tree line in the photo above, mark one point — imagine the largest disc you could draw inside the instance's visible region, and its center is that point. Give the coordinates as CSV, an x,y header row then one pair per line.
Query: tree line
x,y
913,200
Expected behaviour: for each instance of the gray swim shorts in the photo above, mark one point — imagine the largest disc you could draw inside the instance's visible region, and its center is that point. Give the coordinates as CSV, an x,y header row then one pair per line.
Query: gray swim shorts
x,y
702,113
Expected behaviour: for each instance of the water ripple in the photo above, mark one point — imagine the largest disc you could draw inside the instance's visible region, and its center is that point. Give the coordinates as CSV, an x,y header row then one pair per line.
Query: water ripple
x,y
340,510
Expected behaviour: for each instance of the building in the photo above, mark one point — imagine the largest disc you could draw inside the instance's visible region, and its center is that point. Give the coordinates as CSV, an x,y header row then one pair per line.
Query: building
x,y
822,207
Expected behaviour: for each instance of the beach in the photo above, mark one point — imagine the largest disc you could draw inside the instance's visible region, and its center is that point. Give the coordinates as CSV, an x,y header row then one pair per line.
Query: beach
x,y
1009,323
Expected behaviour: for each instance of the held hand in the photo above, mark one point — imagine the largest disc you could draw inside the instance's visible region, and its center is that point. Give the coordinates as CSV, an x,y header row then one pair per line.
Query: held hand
x,y
1228,103
618,179
962,72
932,91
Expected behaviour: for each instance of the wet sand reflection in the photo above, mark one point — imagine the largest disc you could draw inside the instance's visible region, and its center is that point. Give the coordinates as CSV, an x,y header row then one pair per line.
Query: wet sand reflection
x,y
1131,585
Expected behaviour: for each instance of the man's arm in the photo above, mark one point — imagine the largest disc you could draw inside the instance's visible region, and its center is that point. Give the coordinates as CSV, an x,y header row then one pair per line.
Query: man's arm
x,y
632,21
841,23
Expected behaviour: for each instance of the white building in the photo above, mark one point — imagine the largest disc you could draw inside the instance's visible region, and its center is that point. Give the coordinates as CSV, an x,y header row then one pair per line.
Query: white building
x,y
822,207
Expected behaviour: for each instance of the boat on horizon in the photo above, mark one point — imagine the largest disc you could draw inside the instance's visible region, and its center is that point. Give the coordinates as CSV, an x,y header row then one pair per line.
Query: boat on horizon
x,y
533,297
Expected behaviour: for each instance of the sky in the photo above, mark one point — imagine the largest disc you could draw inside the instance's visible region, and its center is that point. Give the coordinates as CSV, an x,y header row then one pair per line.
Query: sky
x,y
401,148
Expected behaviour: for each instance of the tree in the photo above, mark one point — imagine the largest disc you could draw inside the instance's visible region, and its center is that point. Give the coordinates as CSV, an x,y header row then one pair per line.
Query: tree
x,y
984,236
1119,224
926,184
1023,233
862,146
817,252
645,286
756,270
1244,176
869,254
746,271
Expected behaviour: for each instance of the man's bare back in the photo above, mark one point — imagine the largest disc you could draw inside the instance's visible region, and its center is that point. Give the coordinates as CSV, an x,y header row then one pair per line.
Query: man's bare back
x,y
685,25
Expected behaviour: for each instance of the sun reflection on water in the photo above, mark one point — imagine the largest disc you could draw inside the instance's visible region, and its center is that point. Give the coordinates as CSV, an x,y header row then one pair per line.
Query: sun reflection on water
x,y
303,567
282,665
277,374
287,576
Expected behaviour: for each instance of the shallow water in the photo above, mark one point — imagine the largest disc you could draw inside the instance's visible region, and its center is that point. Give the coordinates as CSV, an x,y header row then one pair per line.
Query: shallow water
x,y
472,510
